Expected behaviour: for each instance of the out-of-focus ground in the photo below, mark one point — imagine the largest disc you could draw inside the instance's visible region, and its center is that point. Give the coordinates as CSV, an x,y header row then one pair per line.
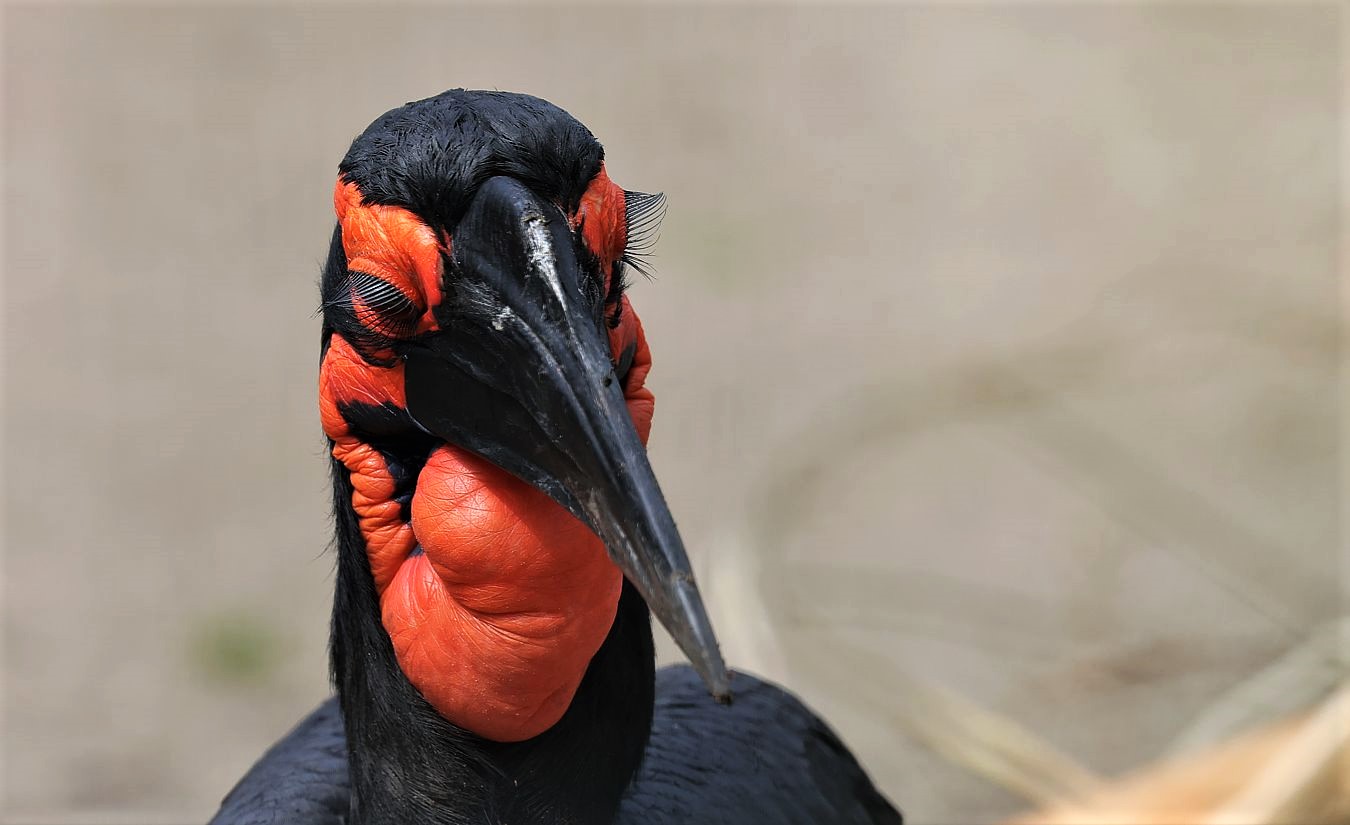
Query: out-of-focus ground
x,y
996,359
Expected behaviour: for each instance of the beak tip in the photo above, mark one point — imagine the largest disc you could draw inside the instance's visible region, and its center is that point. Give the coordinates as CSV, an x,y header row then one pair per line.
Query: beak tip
x,y
704,653
714,674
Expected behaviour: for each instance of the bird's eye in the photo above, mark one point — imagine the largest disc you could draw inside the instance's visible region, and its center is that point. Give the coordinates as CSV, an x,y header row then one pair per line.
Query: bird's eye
x,y
381,305
370,312
642,214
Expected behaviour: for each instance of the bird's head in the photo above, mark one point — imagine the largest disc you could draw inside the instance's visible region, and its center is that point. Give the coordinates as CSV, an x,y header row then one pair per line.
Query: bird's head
x,y
482,384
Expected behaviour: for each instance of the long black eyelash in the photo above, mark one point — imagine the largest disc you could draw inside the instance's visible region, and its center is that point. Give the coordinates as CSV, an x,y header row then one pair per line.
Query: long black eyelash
x,y
395,315
642,214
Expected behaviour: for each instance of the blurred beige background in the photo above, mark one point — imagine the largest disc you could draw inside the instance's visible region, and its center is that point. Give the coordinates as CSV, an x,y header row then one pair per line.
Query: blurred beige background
x,y
996,359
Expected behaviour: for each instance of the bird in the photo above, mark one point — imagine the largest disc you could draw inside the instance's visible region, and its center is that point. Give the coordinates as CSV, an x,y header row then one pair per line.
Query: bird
x,y
502,543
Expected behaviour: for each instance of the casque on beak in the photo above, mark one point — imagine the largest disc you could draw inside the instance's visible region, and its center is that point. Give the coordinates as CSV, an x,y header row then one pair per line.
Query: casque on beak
x,y
521,374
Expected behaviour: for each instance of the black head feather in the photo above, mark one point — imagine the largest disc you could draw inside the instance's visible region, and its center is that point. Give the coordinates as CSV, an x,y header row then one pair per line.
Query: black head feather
x,y
430,156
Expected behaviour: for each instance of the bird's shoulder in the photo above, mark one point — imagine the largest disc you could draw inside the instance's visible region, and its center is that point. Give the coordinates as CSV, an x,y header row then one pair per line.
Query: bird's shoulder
x,y
301,780
766,757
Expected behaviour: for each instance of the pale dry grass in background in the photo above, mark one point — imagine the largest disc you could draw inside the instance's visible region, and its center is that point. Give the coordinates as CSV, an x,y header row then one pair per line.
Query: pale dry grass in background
x,y
996,354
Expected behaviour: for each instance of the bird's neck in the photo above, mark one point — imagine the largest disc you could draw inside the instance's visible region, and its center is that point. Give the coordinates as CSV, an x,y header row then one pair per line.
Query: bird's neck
x,y
410,765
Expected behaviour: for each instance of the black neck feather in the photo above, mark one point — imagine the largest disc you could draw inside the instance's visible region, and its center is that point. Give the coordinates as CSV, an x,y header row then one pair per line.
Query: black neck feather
x,y
410,765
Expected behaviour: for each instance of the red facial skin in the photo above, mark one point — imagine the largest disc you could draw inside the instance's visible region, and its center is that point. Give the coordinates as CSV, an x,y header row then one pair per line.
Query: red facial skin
x,y
497,620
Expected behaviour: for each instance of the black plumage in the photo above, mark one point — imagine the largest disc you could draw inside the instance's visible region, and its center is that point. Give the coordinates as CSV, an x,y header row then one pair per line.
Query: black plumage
x,y
431,155
765,759
634,745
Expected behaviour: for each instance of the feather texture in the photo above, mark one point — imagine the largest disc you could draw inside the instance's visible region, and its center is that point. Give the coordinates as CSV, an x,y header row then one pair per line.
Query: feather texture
x,y
764,758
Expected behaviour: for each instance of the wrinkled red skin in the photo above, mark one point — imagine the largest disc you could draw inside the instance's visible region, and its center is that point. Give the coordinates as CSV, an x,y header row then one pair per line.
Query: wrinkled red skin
x,y
497,619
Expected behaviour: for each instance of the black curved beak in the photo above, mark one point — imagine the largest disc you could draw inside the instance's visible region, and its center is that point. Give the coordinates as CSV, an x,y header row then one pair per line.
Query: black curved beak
x,y
520,373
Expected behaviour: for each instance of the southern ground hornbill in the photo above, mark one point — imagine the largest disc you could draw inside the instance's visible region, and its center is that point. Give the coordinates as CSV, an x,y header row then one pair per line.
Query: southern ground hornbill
x,y
502,542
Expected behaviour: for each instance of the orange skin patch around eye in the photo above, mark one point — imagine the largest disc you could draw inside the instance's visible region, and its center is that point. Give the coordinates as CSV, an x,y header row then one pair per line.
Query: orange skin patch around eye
x,y
496,621
393,244
601,215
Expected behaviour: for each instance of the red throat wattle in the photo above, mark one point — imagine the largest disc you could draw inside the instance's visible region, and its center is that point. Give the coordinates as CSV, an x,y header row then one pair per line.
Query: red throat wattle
x,y
495,596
